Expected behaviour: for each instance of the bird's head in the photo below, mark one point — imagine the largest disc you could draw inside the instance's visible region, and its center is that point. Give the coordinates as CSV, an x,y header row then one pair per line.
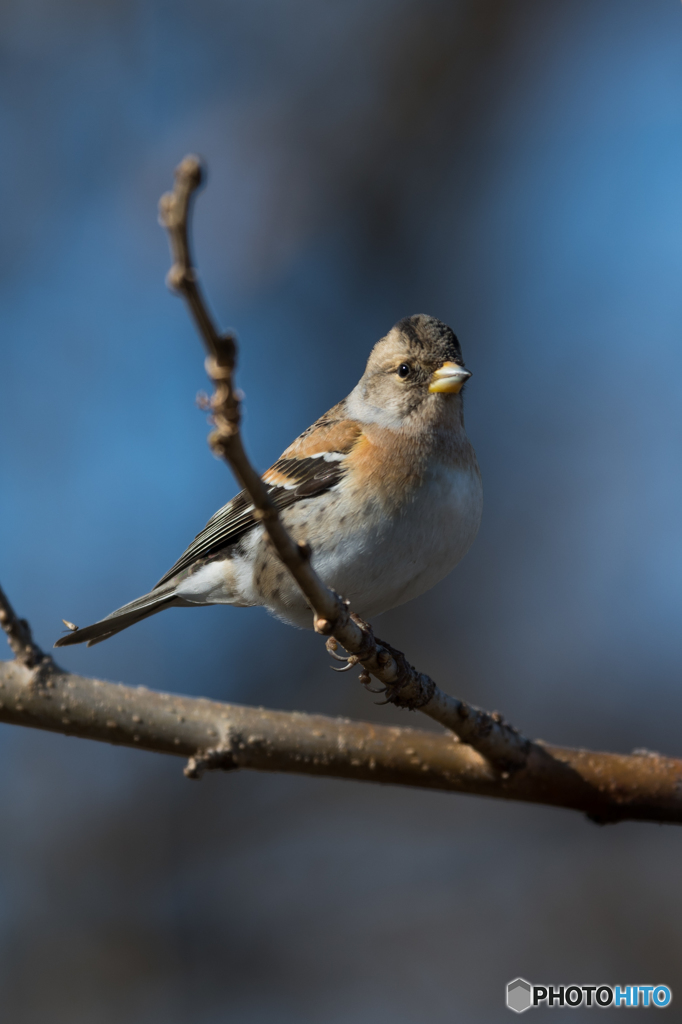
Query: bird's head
x,y
416,370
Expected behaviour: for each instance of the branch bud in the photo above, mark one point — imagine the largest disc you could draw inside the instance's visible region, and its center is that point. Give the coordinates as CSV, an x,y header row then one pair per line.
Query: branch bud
x,y
191,170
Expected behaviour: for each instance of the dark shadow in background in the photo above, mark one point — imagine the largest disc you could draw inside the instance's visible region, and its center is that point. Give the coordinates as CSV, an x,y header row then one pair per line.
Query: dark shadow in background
x,y
513,168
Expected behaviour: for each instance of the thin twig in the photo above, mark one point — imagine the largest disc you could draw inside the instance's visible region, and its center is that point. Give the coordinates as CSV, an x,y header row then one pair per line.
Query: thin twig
x,y
19,636
213,735
404,685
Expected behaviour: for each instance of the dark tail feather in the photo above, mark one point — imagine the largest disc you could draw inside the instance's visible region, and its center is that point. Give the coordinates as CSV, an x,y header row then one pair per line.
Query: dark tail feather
x,y
140,608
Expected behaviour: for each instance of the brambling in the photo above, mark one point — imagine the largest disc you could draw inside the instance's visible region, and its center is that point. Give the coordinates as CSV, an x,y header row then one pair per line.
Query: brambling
x,y
385,488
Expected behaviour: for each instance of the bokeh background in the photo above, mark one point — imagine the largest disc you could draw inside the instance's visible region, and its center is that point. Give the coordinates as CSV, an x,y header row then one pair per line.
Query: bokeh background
x,y
513,167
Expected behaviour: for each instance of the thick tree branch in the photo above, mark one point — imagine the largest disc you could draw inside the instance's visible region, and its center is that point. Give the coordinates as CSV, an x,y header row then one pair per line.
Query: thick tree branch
x,y
213,735
404,685
35,692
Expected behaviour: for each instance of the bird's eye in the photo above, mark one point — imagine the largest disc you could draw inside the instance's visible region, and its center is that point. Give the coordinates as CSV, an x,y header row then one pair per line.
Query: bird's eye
x,y
404,370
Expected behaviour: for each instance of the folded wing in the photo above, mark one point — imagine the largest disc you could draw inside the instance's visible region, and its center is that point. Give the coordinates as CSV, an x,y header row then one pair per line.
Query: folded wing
x,y
291,479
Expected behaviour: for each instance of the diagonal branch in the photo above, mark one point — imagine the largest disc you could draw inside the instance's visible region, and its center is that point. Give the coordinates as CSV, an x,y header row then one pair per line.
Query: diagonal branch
x,y
404,685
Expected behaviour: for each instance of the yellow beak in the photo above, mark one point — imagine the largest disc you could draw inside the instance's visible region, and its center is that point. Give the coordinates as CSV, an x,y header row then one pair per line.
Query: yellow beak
x,y
449,378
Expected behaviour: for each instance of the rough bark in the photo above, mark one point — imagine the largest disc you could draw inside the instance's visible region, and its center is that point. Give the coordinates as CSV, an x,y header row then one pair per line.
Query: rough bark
x,y
213,735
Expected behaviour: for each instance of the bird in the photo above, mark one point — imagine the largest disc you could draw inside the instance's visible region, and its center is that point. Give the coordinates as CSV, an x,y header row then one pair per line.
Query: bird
x,y
384,488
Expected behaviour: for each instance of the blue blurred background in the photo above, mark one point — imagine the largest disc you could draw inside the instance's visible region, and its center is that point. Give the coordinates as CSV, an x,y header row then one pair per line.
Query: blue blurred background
x,y
514,168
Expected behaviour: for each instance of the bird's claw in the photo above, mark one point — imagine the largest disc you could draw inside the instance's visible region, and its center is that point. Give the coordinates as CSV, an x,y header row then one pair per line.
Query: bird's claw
x,y
366,679
350,662
332,646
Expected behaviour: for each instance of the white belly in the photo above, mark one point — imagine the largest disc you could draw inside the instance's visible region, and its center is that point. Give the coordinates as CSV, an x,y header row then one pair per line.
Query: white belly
x,y
406,558
376,564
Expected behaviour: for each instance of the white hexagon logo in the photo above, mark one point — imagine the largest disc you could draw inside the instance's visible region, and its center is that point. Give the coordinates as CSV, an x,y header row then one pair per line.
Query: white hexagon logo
x,y
519,995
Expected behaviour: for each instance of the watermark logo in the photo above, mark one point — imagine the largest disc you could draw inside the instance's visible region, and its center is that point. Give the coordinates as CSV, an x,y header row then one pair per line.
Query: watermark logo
x,y
521,995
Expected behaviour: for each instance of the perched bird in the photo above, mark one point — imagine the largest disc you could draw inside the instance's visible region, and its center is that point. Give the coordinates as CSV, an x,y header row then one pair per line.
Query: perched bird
x,y
384,487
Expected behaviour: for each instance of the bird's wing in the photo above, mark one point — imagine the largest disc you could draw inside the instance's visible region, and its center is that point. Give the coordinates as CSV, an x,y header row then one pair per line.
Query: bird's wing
x,y
314,463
